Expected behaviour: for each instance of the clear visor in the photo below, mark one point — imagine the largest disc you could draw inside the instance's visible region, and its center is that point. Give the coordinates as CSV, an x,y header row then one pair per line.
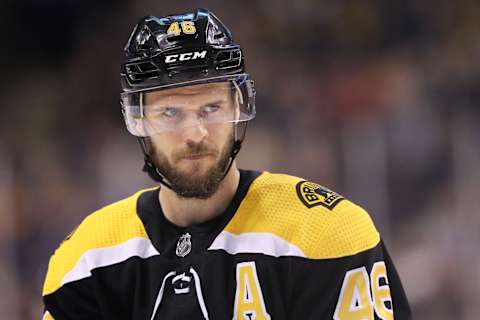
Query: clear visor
x,y
152,112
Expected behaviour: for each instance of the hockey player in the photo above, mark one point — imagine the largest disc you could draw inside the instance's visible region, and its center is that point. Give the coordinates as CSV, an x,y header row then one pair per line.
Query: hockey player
x,y
213,241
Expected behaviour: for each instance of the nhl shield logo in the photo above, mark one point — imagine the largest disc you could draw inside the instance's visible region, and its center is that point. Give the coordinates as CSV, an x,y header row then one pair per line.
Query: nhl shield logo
x,y
184,245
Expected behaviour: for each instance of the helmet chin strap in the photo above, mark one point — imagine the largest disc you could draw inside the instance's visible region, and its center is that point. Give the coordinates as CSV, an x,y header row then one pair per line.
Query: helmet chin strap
x,y
155,174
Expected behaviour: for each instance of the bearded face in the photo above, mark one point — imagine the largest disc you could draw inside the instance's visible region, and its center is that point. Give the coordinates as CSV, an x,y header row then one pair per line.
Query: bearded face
x,y
193,151
195,170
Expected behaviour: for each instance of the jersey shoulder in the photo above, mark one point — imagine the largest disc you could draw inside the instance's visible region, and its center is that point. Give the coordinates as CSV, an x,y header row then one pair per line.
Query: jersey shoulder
x,y
102,238
318,222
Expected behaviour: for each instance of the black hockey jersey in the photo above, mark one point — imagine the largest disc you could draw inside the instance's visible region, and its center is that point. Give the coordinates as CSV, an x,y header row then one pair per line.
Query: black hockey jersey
x,y
285,248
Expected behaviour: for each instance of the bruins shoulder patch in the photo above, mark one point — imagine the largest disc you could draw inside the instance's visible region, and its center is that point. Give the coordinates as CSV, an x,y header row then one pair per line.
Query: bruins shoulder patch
x,y
312,195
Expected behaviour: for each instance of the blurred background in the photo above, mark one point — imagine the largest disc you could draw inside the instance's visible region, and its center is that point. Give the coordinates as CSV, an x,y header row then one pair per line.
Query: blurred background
x,y
377,100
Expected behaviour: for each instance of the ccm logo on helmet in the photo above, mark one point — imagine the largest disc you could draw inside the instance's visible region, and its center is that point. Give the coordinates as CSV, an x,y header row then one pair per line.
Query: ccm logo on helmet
x,y
186,56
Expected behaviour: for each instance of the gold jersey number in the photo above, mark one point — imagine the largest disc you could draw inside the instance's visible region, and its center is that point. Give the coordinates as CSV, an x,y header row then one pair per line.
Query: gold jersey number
x,y
176,29
362,295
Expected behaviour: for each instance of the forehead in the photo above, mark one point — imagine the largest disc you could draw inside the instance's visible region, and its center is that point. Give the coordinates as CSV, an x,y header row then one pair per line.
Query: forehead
x,y
199,93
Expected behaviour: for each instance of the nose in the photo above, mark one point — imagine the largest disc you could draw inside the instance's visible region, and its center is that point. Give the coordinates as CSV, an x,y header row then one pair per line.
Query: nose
x,y
195,133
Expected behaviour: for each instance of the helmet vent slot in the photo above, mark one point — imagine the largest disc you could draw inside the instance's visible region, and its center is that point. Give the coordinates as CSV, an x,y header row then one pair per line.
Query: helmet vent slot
x,y
229,59
141,71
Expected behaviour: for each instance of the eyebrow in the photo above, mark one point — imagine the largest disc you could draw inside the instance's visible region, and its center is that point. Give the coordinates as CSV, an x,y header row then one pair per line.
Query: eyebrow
x,y
220,101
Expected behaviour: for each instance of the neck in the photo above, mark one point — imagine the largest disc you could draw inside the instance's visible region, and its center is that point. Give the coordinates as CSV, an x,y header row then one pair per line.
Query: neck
x,y
184,212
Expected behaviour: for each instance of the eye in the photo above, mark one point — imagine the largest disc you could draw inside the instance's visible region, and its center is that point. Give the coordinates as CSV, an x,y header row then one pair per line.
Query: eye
x,y
170,112
166,114
211,108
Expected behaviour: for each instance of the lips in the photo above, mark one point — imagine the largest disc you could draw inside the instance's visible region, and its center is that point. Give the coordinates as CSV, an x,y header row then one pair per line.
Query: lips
x,y
196,156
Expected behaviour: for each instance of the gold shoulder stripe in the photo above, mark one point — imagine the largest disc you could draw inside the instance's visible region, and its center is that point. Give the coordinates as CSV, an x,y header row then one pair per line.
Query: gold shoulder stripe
x,y
106,228
336,229
350,232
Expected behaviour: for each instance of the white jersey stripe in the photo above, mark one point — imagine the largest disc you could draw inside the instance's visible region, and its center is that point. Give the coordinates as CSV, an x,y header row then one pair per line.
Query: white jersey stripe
x,y
255,242
102,257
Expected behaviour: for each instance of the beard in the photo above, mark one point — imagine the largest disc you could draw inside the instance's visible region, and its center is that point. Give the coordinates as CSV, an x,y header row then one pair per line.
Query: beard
x,y
194,184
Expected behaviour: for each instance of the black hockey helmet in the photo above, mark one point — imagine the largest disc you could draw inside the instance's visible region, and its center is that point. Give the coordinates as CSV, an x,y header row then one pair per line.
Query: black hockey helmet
x,y
181,50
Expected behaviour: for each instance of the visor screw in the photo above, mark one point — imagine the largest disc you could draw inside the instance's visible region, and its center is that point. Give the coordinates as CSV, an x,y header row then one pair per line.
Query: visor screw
x,y
170,75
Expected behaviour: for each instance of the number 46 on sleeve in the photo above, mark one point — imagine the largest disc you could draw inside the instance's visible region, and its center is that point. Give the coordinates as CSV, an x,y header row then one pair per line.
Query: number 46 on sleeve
x,y
355,301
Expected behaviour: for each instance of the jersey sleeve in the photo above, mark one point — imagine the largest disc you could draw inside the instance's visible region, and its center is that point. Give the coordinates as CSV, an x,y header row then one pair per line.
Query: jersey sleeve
x,y
106,237
338,266
72,301
69,299
354,279
362,286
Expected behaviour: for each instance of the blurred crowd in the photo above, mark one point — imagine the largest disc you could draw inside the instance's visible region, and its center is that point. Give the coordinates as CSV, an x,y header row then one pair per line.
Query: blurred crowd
x,y
374,99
